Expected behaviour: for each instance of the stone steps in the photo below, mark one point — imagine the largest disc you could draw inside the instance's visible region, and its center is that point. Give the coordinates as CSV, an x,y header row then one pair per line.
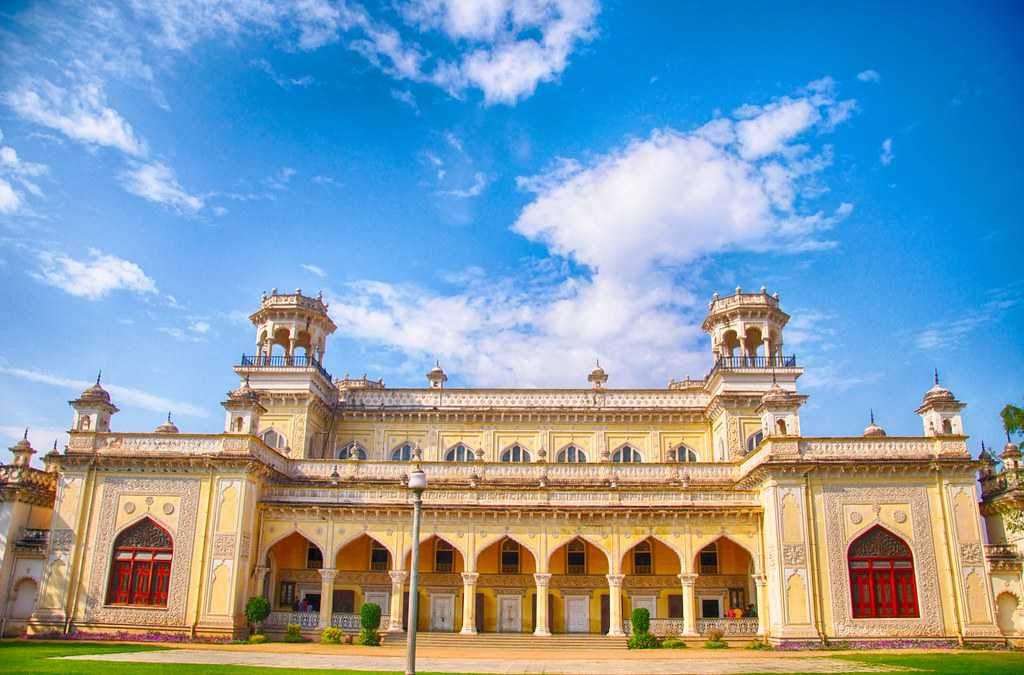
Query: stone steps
x,y
512,641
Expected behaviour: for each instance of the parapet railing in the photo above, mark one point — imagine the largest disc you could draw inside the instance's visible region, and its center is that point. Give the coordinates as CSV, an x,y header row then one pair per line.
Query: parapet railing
x,y
277,361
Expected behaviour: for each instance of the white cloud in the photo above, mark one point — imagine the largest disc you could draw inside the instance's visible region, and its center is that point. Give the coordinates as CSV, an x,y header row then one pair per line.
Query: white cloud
x,y
156,182
13,168
40,437
80,114
122,396
869,76
313,269
283,82
950,333
474,190
887,155
201,327
10,200
405,96
93,278
638,221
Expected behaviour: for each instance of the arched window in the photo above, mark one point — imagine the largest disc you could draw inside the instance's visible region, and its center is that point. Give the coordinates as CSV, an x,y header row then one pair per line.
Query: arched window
x,y
570,454
444,556
708,559
314,557
947,427
84,423
627,453
346,451
576,557
402,453
643,559
238,424
460,453
516,453
274,438
509,557
140,572
780,425
379,558
754,440
682,453
882,576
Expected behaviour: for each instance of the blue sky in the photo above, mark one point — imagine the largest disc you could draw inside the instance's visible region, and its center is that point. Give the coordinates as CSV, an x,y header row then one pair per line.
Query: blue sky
x,y
514,187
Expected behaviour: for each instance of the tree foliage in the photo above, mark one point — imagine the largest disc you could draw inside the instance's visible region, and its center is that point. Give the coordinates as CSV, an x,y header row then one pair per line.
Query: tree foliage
x,y
1013,419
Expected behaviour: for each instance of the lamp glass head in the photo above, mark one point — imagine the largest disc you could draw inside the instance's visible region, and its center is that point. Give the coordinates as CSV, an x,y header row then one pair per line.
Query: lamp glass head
x,y
417,480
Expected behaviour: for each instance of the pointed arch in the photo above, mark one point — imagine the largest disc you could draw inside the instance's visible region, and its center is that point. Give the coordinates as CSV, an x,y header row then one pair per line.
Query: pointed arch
x,y
273,438
587,539
682,452
459,452
140,569
627,453
571,453
402,452
432,539
499,541
753,553
346,450
882,578
680,558
279,537
353,537
516,453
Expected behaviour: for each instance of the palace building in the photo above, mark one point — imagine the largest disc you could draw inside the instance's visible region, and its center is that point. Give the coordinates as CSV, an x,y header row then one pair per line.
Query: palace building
x,y
547,511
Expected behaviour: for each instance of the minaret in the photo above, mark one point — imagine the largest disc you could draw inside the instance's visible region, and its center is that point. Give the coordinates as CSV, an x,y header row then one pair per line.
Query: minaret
x,y
436,376
22,451
243,410
93,409
597,377
940,411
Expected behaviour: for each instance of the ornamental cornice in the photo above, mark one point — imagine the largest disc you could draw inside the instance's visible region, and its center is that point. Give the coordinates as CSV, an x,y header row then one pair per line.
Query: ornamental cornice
x,y
493,415
496,399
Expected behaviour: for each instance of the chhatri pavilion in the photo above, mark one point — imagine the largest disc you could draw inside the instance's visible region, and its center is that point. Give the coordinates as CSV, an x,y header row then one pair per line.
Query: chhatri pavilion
x,y
548,510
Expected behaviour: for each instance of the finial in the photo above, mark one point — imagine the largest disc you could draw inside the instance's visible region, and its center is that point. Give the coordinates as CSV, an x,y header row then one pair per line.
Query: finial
x,y
55,445
168,416
597,363
873,421
936,376
25,435
98,376
983,446
437,363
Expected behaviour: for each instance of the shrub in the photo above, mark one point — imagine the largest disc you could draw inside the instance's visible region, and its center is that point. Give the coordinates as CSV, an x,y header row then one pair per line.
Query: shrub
x,y
257,639
643,641
673,643
331,635
758,645
257,609
369,618
293,633
641,619
715,644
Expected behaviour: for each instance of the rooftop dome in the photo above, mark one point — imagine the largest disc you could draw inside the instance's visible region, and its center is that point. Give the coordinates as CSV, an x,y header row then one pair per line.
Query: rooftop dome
x,y
96,392
436,376
1010,451
873,429
597,376
167,427
775,393
938,392
244,393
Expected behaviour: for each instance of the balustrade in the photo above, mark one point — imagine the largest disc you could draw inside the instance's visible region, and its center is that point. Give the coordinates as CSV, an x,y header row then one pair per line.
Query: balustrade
x,y
659,627
729,627
305,620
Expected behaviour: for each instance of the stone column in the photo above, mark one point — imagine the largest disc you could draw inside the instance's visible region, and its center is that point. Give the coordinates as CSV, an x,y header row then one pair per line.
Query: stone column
x,y
469,602
767,350
689,604
761,581
397,594
542,627
259,578
615,604
327,595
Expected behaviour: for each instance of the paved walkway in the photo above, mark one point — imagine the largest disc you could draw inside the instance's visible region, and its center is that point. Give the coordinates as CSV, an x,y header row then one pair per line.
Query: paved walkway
x,y
683,661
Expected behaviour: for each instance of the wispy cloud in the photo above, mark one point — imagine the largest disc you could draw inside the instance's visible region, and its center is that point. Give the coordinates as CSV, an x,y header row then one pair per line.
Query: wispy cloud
x,y
405,96
474,190
157,183
869,76
93,278
283,82
127,396
13,168
887,155
313,269
950,333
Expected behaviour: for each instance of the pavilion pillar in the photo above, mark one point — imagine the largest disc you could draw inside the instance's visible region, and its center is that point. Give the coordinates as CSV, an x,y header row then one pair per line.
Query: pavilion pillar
x,y
259,580
397,596
327,595
761,582
469,602
689,604
542,628
615,604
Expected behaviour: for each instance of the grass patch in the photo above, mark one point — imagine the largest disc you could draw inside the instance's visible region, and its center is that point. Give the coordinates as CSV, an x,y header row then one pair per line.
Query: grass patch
x,y
954,663
29,658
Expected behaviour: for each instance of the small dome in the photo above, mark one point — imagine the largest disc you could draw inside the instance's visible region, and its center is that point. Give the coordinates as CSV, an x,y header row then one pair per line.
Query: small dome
x,y
775,393
244,393
436,376
1010,451
873,429
96,392
597,376
938,392
167,427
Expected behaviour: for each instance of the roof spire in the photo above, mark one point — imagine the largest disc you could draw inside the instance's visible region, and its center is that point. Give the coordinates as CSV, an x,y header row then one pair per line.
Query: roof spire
x,y
873,417
98,376
936,376
25,435
168,416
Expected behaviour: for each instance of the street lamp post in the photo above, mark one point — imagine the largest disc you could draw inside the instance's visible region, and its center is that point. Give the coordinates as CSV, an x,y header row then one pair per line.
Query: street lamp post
x,y
417,483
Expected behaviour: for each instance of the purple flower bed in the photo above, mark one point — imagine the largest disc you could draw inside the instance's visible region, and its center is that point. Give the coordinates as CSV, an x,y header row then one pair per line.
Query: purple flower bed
x,y
124,636
868,644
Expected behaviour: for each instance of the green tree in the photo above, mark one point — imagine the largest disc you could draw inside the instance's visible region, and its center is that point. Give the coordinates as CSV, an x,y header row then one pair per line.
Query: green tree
x,y
1013,419
257,609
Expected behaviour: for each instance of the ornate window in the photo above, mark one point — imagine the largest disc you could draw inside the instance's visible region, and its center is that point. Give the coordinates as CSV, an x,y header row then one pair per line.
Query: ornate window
x,y
378,558
947,427
314,557
509,557
708,559
274,438
444,556
576,557
682,453
516,453
459,453
627,453
570,454
882,579
754,440
643,558
352,447
402,453
141,569
286,594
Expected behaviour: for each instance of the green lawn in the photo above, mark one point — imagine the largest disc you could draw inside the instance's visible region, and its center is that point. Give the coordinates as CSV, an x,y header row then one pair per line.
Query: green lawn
x,y
959,663
35,657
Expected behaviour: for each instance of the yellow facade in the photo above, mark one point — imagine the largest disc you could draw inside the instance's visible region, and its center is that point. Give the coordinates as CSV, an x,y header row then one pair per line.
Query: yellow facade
x,y
547,511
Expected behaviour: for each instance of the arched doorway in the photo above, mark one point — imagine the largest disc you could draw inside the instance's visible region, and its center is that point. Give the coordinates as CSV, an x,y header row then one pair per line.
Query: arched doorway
x,y
725,596
580,595
1006,609
362,566
295,586
882,580
651,571
505,599
441,566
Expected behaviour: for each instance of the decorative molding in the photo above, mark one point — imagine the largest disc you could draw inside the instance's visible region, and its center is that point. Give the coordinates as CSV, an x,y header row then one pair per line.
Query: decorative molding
x,y
921,544
794,555
971,554
224,545
184,537
526,399
62,540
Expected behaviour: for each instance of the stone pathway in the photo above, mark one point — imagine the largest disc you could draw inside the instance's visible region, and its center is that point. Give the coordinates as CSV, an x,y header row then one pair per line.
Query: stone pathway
x,y
683,663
